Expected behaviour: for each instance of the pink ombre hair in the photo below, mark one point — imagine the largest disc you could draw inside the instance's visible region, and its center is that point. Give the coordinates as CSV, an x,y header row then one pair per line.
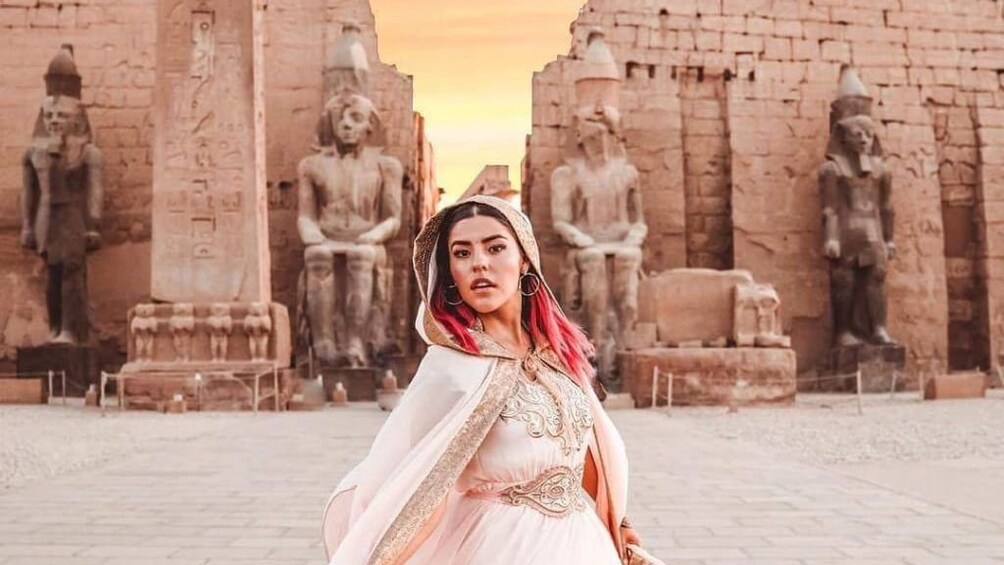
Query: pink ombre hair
x,y
541,313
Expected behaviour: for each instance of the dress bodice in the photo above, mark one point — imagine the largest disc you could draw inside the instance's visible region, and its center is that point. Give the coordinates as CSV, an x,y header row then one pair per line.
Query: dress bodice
x,y
544,424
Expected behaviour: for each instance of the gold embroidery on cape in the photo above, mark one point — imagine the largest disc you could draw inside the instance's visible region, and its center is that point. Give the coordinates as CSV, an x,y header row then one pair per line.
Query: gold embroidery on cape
x,y
448,468
551,406
556,492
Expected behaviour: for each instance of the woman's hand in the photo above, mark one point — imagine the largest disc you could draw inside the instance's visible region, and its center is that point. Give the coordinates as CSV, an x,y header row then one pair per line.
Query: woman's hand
x,y
630,536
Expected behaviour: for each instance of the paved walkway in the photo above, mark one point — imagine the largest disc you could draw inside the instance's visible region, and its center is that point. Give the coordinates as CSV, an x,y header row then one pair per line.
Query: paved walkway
x,y
250,492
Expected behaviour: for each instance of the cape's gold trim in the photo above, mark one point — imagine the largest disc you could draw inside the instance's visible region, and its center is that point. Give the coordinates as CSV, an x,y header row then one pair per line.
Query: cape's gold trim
x,y
450,465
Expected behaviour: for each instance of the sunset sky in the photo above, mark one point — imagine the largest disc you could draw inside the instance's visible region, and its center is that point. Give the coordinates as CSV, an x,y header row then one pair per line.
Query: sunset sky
x,y
473,62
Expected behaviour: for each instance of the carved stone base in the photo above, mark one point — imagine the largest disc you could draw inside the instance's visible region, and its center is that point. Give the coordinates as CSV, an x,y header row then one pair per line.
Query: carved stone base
x,y
361,384
213,391
79,361
225,343
711,376
877,363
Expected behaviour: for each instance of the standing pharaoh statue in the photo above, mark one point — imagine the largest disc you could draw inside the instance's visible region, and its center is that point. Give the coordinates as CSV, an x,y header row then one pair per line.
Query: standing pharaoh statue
x,y
597,210
855,186
61,201
349,208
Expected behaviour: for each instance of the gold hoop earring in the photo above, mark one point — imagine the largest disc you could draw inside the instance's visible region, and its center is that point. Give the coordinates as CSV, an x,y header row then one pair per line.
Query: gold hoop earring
x,y
529,280
446,296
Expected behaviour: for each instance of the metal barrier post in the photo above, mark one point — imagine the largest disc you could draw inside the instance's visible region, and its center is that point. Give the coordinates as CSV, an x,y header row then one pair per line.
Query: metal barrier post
x,y
49,400
858,376
64,386
257,380
275,385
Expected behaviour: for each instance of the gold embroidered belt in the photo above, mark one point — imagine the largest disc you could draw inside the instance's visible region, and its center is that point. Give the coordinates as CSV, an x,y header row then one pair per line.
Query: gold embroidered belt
x,y
556,492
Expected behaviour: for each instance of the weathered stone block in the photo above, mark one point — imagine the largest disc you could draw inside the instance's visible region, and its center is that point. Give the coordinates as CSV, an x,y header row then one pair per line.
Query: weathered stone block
x,y
712,377
956,385
22,391
691,304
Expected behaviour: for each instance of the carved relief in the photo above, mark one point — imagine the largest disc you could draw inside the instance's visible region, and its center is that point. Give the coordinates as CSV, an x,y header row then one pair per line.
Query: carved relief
x,y
220,324
144,331
182,327
757,317
258,327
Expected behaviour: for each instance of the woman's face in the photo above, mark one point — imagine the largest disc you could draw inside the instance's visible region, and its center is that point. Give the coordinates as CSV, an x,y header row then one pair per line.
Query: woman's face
x,y
486,263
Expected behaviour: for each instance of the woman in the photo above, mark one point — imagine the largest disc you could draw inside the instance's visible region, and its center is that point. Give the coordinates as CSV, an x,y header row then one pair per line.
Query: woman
x,y
500,451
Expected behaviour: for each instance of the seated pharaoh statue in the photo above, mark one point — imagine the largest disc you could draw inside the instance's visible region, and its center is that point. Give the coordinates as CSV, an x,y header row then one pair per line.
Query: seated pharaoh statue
x,y
597,210
349,207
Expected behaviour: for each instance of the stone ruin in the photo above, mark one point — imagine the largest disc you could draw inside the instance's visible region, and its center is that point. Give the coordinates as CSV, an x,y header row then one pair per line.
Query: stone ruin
x,y
726,115
723,111
717,332
232,268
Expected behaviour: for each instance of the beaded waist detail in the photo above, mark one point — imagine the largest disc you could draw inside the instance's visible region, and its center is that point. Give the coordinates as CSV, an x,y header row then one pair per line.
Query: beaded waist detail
x,y
556,492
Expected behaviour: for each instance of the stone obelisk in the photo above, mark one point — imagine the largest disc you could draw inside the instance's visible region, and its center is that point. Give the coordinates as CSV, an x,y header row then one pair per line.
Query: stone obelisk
x,y
211,272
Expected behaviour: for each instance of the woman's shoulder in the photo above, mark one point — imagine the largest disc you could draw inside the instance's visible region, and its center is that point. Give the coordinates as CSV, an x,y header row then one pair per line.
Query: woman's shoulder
x,y
447,365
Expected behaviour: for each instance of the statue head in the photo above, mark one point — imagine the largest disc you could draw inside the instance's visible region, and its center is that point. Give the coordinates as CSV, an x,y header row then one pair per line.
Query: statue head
x,y
597,128
857,133
220,309
258,309
62,116
347,122
852,130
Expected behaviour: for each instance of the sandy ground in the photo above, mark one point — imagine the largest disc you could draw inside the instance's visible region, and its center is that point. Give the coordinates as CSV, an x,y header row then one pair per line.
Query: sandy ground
x,y
36,444
827,429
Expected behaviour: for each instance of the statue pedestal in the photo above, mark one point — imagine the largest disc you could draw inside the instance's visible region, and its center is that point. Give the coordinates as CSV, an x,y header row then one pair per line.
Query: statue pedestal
x,y
877,364
712,376
151,379
361,384
79,361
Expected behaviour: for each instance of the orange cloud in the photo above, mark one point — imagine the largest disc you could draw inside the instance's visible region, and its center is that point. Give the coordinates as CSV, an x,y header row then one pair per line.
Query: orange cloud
x,y
473,61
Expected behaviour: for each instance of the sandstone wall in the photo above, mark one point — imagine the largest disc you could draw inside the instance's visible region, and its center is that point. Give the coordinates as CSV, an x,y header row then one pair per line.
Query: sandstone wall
x,y
741,122
114,44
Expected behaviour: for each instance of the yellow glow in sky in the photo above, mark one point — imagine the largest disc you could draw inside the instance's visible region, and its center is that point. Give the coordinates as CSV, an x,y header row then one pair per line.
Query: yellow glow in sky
x,y
473,62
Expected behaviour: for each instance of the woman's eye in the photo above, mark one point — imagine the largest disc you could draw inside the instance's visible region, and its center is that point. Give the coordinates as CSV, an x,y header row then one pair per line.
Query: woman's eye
x,y
497,248
461,253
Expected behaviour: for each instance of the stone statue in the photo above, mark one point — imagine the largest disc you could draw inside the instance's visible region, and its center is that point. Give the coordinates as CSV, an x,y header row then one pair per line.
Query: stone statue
x,y
597,210
61,201
182,327
144,327
349,207
220,325
258,327
757,318
855,186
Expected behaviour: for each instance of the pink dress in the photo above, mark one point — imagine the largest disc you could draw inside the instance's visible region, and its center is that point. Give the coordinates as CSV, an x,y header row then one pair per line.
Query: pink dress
x,y
520,499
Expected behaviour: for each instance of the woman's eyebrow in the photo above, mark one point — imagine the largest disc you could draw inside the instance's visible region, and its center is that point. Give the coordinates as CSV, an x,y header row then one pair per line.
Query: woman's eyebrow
x,y
485,240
